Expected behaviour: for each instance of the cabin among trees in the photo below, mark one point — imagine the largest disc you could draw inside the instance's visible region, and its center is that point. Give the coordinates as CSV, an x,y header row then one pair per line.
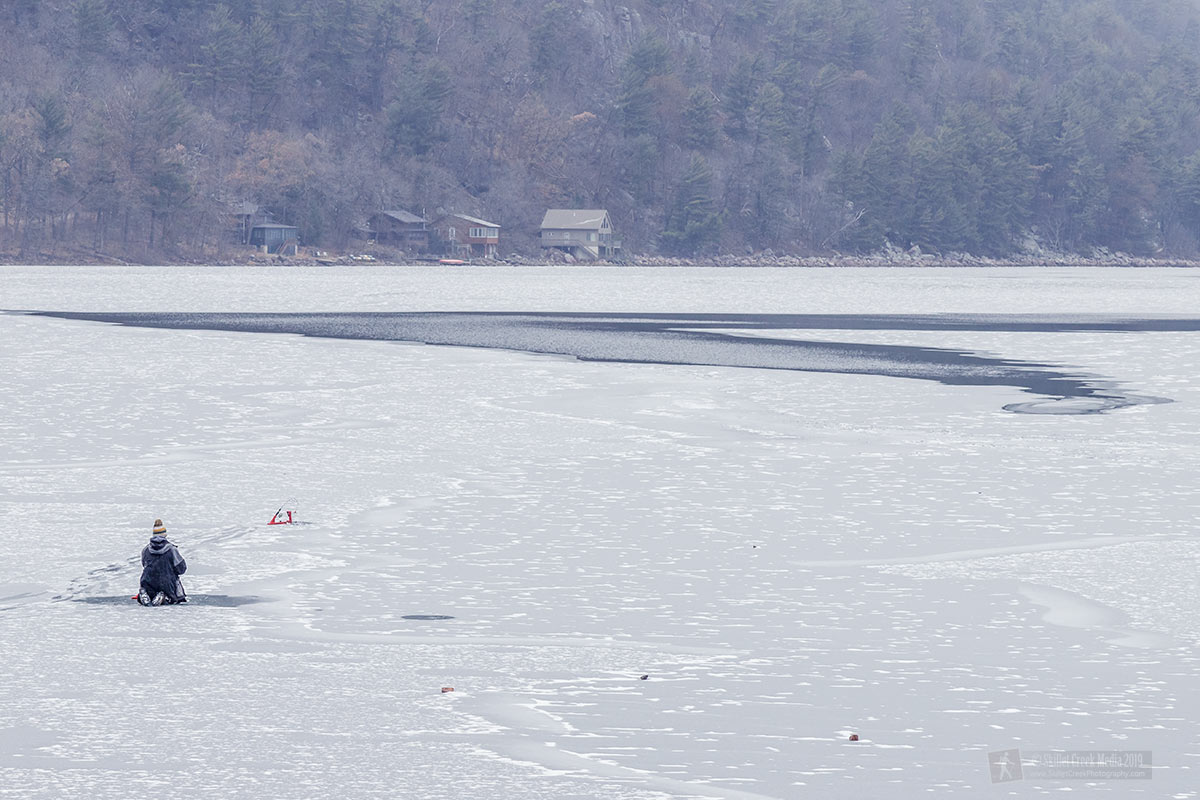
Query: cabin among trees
x,y
584,234
278,239
400,229
462,235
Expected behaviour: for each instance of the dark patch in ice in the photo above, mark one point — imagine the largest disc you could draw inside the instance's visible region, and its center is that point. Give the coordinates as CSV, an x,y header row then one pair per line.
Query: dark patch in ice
x,y
674,339
222,600
426,616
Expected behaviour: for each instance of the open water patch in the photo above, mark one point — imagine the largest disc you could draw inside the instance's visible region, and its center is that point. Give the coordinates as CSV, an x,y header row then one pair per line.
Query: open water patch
x,y
674,339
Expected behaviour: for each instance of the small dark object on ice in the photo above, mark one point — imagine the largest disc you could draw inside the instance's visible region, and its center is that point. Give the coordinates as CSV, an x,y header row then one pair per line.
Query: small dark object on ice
x,y
854,737
644,678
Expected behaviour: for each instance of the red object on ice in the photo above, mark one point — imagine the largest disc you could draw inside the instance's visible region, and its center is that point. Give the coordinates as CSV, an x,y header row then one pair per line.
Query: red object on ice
x,y
447,689
279,519
854,737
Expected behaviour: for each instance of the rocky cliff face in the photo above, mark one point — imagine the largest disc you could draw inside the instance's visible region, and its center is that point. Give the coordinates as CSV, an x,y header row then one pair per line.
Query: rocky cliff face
x,y
616,29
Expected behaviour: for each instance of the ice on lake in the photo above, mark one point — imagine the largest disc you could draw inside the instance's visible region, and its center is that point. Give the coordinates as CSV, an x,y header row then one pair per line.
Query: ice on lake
x,y
790,557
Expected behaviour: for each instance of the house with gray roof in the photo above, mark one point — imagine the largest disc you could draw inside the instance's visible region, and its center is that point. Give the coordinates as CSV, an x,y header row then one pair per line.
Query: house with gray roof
x,y
399,228
586,234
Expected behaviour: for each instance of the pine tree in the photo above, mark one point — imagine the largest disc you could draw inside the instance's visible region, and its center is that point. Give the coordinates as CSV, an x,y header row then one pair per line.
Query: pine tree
x,y
219,67
264,67
700,120
919,43
414,118
93,26
883,189
649,60
692,223
740,91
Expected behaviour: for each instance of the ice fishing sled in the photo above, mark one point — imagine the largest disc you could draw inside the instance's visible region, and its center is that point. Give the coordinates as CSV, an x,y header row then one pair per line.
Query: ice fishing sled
x,y
286,515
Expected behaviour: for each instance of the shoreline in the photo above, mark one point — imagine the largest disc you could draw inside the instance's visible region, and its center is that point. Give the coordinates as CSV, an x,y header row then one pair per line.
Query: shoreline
x,y
758,260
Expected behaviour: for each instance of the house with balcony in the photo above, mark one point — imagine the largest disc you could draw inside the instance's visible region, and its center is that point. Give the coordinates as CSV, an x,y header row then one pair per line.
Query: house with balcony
x,y
468,236
585,234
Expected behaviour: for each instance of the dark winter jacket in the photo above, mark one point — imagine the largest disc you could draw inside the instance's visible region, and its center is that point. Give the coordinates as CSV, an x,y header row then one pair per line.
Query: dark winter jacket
x,y
161,567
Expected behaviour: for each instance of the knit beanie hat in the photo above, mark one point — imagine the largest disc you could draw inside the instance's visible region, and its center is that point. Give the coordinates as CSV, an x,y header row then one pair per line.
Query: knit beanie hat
x,y
159,528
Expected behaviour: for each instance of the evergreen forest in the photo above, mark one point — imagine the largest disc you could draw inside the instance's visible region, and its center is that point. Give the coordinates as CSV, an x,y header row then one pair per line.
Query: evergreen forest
x,y
990,127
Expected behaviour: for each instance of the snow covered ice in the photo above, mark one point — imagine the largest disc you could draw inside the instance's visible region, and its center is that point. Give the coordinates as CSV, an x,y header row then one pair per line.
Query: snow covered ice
x,y
791,557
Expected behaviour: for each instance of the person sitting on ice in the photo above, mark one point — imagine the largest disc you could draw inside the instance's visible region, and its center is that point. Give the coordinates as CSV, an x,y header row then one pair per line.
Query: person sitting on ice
x,y
161,567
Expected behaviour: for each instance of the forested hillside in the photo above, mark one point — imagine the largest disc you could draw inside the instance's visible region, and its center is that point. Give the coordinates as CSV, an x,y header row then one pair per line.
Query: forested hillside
x,y
703,126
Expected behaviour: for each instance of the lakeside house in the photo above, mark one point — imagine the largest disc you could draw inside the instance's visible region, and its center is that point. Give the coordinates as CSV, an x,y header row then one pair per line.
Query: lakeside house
x,y
399,228
584,234
468,236
278,239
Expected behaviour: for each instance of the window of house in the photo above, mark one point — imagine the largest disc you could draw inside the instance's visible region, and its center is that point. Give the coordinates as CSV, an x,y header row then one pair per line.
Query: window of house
x,y
591,237
451,234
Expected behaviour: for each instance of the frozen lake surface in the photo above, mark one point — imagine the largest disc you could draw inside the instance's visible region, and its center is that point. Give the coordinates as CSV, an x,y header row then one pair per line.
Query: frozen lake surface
x,y
790,555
